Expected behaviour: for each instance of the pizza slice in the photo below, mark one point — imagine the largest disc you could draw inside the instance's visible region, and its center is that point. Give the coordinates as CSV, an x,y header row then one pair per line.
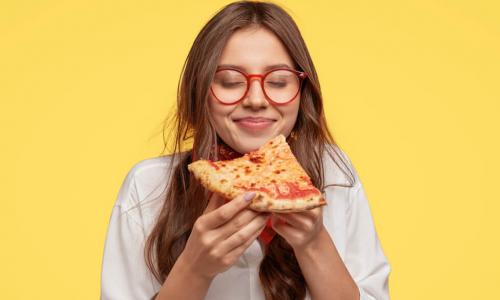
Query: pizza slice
x,y
272,172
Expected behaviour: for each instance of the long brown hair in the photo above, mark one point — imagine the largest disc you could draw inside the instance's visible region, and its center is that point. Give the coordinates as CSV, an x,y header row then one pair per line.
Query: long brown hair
x,y
186,199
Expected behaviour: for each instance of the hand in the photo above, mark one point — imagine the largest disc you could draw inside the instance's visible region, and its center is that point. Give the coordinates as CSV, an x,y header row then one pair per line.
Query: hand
x,y
221,234
299,229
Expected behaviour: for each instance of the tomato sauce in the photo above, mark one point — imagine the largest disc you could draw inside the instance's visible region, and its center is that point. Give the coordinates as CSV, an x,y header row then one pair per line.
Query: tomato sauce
x,y
213,165
294,191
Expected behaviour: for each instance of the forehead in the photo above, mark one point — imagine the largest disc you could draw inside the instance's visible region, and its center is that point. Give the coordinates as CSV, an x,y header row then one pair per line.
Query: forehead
x,y
254,49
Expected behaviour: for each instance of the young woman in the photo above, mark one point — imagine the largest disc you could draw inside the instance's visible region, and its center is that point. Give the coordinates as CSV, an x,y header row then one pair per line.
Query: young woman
x,y
248,78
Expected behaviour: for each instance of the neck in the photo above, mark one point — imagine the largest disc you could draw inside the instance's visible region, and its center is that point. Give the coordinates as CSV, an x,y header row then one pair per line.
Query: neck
x,y
225,152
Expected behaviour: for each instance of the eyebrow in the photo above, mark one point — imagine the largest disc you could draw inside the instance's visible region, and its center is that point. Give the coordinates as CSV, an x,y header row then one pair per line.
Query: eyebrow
x,y
270,67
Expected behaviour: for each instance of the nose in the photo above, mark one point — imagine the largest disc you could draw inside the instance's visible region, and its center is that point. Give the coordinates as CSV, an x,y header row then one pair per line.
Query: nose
x,y
255,97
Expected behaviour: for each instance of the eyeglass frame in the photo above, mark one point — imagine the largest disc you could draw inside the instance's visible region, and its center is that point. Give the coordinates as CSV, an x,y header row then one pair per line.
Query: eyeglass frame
x,y
301,75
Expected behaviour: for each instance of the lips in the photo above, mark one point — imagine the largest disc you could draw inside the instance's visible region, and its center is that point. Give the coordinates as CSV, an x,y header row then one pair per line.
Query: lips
x,y
254,119
254,122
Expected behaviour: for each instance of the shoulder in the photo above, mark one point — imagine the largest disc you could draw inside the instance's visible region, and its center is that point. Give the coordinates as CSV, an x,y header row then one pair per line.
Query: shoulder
x,y
338,167
145,183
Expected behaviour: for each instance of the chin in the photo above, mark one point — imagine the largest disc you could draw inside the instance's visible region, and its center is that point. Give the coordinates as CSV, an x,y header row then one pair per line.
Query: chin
x,y
248,144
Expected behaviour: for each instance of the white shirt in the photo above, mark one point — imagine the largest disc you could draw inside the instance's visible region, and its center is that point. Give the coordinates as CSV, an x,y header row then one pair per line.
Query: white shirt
x,y
347,218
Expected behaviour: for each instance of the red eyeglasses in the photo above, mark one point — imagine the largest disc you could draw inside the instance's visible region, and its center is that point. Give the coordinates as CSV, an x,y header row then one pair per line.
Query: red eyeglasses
x,y
280,86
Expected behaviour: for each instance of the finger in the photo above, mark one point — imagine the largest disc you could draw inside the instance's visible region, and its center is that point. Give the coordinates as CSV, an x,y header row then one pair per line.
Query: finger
x,y
283,228
226,212
279,218
242,236
297,218
214,201
294,219
313,213
238,251
239,221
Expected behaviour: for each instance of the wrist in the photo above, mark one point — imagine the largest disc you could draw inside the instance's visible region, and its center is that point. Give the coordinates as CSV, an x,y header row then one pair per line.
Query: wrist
x,y
313,247
190,272
183,283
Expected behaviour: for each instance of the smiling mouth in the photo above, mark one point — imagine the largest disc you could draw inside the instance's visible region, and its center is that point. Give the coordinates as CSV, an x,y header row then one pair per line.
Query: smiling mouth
x,y
254,123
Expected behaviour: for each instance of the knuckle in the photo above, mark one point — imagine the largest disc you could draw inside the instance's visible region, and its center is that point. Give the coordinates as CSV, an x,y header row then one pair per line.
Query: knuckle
x,y
223,215
227,261
308,225
311,224
198,224
238,223
205,241
214,254
250,241
240,238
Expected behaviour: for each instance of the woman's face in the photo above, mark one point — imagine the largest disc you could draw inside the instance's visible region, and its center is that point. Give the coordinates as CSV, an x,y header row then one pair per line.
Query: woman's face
x,y
253,50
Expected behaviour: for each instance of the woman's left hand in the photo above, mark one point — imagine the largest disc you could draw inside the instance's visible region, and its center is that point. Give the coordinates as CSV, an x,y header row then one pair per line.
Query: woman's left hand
x,y
299,229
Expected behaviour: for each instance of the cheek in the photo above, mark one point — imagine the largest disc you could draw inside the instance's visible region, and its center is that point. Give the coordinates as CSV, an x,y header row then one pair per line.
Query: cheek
x,y
220,114
217,111
290,113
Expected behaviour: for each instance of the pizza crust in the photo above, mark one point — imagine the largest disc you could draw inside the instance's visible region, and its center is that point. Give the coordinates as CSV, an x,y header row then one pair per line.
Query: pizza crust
x,y
264,203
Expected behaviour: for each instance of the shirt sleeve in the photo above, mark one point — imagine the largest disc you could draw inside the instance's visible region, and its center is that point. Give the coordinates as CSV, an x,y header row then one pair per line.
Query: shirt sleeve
x,y
364,257
124,274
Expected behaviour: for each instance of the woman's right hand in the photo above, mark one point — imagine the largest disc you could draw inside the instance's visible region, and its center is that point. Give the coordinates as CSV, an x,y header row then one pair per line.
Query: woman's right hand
x,y
221,234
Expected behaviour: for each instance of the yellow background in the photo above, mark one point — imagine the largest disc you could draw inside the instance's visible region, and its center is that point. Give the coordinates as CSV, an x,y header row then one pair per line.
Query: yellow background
x,y
411,90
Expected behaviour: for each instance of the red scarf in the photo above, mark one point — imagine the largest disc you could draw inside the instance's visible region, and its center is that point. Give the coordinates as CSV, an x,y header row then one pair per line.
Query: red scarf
x,y
225,152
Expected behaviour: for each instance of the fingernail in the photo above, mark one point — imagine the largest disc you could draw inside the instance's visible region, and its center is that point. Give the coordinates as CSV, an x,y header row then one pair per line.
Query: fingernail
x,y
249,196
